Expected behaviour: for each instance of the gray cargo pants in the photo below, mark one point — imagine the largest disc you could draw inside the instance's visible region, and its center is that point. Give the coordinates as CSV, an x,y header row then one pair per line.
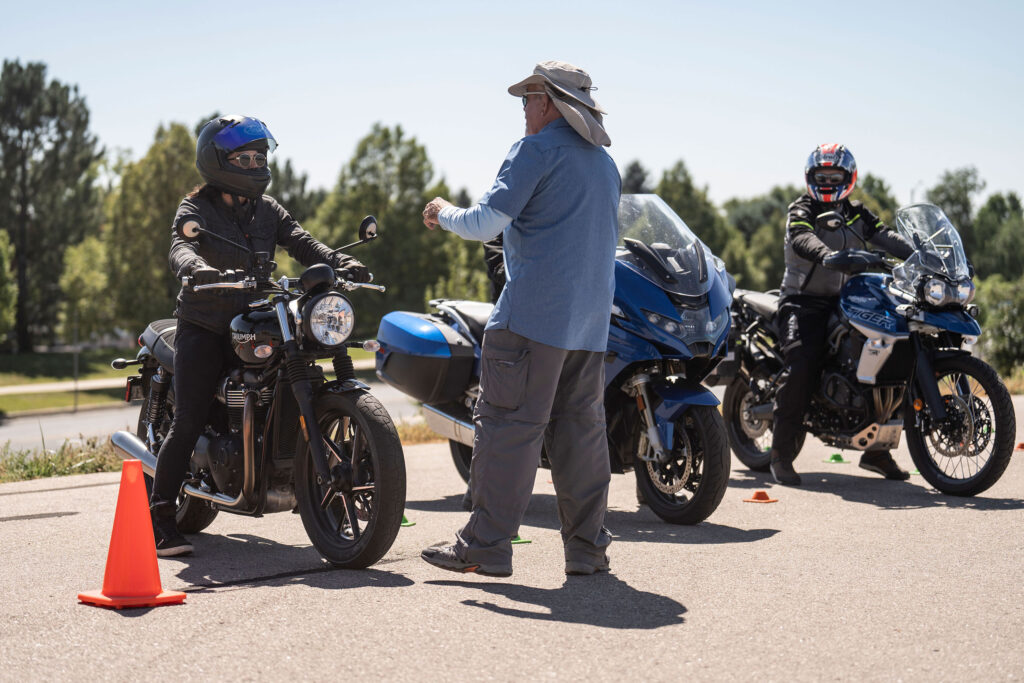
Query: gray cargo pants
x,y
532,393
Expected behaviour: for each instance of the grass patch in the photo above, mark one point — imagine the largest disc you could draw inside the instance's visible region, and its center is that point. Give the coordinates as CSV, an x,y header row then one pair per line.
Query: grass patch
x,y
1015,381
416,432
15,403
94,455
32,368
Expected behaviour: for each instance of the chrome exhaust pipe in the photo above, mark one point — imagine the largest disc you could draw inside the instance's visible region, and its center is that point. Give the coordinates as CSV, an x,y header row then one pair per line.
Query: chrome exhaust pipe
x,y
447,426
132,447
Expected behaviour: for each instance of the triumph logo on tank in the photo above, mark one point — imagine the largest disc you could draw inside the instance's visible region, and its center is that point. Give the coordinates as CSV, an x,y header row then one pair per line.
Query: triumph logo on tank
x,y
242,337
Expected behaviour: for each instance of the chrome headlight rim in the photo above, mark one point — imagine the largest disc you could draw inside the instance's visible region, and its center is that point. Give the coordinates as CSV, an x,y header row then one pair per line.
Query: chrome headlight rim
x,y
318,320
935,292
965,292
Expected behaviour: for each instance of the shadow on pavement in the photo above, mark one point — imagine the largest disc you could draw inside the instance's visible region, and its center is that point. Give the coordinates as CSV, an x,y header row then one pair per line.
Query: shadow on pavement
x,y
601,600
244,561
636,525
871,489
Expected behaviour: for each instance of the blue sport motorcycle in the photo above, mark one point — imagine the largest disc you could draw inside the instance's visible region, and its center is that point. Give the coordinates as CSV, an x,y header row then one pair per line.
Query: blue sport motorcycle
x,y
668,331
898,360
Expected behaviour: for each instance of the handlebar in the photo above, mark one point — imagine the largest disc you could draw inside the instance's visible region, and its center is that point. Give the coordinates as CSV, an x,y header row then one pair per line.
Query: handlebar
x,y
284,283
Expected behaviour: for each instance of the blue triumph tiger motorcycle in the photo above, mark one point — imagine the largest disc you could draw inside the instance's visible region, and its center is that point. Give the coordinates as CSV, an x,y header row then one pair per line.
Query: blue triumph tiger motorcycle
x,y
898,360
669,325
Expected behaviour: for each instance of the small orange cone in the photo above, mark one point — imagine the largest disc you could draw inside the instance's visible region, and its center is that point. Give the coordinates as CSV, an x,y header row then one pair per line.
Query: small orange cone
x,y
132,578
1020,446
760,497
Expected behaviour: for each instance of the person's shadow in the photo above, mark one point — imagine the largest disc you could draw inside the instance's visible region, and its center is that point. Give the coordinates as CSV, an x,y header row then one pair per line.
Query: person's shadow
x,y
238,561
601,600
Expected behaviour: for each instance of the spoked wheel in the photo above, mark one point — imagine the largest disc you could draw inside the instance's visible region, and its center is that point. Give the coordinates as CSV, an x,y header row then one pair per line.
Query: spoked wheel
x,y
750,436
689,486
192,514
967,451
353,528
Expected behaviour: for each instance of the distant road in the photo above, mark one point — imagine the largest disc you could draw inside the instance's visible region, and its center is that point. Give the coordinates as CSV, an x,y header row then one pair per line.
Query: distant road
x,y
31,432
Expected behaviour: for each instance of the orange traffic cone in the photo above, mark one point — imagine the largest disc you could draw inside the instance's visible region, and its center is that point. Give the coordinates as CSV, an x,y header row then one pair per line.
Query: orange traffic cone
x,y
132,578
1020,446
760,497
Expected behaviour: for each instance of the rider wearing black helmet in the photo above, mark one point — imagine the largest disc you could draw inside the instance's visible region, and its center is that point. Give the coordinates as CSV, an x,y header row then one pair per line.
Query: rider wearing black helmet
x,y
821,254
231,157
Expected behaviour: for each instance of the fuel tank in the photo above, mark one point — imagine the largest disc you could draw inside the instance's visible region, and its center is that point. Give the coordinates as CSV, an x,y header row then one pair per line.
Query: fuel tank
x,y
255,336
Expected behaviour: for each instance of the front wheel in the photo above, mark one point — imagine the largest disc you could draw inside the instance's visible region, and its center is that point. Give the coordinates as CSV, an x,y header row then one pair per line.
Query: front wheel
x,y
353,530
689,487
968,451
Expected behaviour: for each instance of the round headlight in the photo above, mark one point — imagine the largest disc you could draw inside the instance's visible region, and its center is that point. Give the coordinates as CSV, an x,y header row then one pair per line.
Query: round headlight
x,y
964,292
330,319
935,292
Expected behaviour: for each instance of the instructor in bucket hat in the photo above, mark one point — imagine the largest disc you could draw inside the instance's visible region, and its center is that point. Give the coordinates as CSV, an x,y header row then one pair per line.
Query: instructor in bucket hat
x,y
555,202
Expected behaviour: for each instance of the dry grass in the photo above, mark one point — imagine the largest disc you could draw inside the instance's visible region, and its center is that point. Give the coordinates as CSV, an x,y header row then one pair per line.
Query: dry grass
x,y
92,455
416,432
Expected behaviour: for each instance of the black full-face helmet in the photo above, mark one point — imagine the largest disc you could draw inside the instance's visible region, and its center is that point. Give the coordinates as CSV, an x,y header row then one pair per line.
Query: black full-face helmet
x,y
224,135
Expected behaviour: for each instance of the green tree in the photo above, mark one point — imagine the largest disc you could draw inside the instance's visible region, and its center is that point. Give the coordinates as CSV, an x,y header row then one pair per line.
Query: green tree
x,y
1001,303
877,196
678,190
84,286
466,276
288,187
388,176
635,179
954,194
999,230
48,165
8,285
140,215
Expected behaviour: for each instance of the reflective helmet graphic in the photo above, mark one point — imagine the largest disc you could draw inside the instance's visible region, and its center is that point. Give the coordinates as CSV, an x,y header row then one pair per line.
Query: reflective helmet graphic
x,y
224,135
831,172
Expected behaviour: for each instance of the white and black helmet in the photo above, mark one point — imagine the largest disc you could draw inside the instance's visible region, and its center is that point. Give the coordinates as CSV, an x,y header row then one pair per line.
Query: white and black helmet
x,y
225,135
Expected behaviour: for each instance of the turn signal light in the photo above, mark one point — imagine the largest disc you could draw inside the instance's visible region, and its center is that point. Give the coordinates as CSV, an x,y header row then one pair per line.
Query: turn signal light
x,y
918,404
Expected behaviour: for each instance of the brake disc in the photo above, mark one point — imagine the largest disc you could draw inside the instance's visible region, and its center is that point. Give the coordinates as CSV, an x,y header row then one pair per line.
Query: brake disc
x,y
953,436
752,427
671,476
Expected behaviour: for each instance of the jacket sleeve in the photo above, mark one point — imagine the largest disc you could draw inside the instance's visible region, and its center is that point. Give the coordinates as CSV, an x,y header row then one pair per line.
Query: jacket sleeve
x,y
184,255
881,235
800,233
302,246
494,257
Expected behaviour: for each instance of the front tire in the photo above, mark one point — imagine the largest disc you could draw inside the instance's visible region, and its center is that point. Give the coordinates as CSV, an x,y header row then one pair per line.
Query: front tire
x,y
689,487
364,432
969,450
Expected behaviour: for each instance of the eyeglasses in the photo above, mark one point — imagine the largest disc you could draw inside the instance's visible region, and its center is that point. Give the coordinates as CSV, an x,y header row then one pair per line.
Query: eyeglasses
x,y
248,160
528,94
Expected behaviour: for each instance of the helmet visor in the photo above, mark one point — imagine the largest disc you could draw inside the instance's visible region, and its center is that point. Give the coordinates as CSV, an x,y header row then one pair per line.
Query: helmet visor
x,y
829,177
243,132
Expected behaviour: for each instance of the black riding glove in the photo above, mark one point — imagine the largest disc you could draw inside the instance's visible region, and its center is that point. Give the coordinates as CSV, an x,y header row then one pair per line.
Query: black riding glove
x,y
852,261
353,270
205,275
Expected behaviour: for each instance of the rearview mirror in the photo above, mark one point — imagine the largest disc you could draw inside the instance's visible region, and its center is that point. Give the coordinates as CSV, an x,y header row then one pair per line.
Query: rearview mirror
x,y
189,226
368,229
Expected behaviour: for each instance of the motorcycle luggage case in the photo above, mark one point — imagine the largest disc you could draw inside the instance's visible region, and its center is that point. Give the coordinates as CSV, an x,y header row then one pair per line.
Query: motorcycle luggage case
x,y
423,357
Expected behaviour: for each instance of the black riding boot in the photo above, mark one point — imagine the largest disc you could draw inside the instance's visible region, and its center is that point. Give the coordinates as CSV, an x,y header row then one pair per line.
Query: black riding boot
x,y
169,542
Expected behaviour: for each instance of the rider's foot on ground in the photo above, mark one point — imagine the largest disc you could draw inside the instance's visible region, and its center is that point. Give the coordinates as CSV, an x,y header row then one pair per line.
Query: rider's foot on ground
x,y
444,557
783,472
882,463
586,568
169,541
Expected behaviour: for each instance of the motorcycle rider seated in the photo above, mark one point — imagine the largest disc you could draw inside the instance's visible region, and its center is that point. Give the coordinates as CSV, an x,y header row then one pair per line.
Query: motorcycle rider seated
x,y
231,157
821,255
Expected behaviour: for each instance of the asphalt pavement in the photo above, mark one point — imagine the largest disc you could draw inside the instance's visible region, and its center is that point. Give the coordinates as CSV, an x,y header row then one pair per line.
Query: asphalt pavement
x,y
849,577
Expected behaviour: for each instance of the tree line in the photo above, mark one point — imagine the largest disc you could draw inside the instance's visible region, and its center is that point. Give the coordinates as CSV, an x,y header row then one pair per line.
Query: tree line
x,y
84,234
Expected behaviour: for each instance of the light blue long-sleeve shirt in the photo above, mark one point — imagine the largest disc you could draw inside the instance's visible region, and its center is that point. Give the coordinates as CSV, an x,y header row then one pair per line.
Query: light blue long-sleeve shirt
x,y
479,222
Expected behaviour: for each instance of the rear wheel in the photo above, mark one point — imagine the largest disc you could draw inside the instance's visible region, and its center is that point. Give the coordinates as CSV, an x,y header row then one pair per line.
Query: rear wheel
x,y
462,456
353,529
968,451
689,486
750,437
192,514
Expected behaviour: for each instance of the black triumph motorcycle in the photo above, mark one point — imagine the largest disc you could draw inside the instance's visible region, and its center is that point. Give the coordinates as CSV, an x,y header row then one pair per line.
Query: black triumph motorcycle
x,y
898,360
280,436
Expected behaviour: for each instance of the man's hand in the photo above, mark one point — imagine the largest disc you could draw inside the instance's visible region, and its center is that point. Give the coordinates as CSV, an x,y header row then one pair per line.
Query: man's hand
x,y
431,210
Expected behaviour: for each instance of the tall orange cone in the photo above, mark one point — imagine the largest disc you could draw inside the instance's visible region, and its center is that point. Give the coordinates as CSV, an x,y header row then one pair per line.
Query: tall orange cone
x,y
132,578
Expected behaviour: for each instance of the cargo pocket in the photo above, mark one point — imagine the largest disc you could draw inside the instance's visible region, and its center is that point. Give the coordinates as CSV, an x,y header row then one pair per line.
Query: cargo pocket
x,y
503,384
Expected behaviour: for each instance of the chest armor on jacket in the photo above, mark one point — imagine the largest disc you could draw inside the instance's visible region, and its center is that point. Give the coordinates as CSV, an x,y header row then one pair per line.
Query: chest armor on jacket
x,y
803,276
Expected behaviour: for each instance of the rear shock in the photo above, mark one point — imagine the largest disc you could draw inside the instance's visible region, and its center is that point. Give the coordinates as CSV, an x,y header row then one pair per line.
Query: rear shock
x,y
159,383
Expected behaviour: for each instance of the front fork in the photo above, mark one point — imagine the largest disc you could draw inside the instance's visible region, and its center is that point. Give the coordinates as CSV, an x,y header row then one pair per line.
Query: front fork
x,y
637,386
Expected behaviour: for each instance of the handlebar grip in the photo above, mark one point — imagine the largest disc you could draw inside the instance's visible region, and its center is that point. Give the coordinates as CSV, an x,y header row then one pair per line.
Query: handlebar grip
x,y
186,281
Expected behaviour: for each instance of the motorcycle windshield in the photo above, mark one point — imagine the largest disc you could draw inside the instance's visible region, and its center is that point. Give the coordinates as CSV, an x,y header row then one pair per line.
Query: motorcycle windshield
x,y
675,259
938,249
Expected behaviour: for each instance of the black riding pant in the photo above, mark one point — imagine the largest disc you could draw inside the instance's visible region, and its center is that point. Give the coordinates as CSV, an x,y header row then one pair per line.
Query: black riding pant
x,y
803,326
200,360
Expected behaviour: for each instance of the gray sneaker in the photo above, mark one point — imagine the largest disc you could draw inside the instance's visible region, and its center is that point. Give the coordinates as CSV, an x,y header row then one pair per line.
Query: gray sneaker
x,y
586,568
444,557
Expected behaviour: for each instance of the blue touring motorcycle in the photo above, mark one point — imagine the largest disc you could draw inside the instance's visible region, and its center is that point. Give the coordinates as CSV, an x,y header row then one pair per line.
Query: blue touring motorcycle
x,y
668,331
898,360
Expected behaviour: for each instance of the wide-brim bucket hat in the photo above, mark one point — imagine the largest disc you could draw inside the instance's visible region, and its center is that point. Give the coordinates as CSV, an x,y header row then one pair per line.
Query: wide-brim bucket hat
x,y
569,87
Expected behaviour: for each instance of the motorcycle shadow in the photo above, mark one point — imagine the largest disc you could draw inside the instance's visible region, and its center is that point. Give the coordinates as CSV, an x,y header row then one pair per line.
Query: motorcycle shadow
x,y
239,561
621,606
870,489
640,525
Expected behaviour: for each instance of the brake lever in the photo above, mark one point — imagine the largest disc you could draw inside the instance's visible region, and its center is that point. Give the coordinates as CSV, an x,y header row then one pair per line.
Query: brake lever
x,y
348,286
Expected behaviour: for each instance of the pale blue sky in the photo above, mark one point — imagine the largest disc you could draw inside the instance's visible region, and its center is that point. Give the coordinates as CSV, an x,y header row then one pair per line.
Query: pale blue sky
x,y
742,91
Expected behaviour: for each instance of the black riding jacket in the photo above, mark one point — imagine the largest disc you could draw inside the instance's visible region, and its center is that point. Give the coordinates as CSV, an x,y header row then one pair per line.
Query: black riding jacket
x,y
807,246
261,225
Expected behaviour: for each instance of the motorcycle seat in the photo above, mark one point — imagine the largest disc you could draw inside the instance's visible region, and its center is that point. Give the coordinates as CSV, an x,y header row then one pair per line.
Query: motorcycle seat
x,y
475,314
765,304
159,338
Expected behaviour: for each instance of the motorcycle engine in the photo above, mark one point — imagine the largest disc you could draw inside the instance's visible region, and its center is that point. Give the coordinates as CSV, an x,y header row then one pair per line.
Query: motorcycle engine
x,y
840,406
222,457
